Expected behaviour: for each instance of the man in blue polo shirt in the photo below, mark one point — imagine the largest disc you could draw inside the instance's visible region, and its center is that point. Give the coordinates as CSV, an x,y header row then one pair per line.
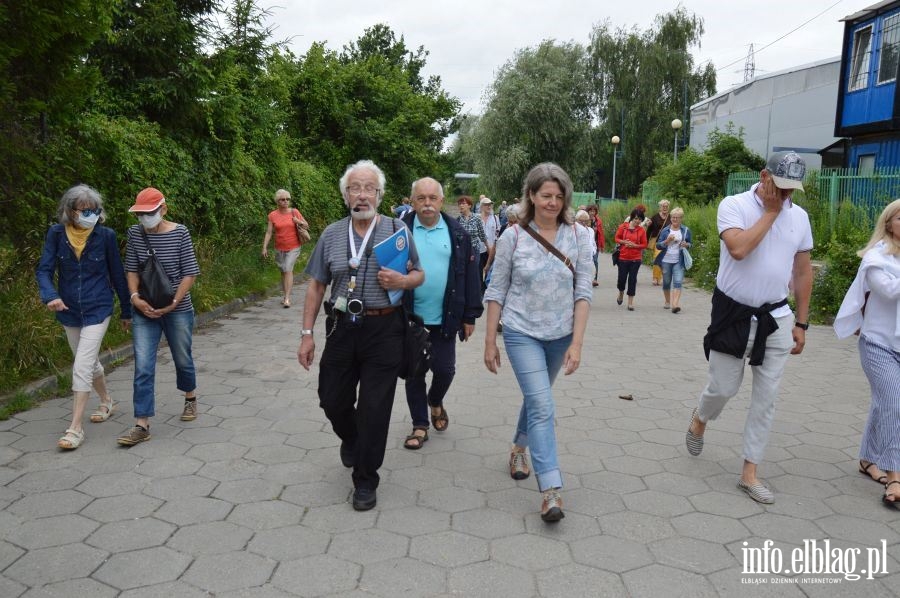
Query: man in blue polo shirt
x,y
448,302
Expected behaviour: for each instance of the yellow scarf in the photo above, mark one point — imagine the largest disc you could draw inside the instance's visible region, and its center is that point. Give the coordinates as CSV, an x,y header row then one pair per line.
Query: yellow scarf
x,y
77,238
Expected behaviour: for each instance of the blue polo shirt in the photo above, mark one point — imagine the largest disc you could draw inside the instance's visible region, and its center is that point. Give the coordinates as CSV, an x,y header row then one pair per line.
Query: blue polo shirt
x,y
433,245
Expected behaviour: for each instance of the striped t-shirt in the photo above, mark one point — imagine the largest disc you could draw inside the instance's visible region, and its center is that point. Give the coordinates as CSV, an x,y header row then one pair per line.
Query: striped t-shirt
x,y
329,262
174,250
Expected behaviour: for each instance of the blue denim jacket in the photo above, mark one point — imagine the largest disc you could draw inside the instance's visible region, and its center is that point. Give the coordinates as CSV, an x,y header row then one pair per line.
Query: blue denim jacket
x,y
661,244
85,285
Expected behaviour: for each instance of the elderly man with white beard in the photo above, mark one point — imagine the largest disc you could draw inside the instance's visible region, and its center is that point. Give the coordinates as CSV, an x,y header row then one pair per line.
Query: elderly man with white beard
x,y
364,329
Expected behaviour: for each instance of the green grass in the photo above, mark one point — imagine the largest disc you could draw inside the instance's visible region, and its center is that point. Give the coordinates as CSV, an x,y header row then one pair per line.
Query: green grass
x,y
34,344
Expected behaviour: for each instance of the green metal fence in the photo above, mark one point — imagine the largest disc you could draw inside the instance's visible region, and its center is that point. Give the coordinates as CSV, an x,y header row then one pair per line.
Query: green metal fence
x,y
871,191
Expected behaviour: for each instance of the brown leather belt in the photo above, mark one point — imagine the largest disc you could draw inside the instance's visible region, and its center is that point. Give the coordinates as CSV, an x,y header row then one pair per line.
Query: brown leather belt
x,y
381,311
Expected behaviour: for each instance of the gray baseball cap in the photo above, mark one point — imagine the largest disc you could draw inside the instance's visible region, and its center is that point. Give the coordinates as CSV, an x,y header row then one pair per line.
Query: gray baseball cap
x,y
787,170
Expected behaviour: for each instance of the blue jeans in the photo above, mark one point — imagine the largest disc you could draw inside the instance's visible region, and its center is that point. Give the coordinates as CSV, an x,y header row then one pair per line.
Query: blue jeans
x,y
145,334
535,364
673,275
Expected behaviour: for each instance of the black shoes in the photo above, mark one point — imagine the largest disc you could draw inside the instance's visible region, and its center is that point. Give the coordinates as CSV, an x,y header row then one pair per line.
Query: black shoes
x,y
363,499
347,453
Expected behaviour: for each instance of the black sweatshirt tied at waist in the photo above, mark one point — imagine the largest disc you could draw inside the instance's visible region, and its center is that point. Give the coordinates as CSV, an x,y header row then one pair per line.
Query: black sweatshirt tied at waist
x,y
729,328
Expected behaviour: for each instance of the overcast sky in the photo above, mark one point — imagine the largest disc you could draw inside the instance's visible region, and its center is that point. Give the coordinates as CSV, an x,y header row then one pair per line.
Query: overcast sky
x,y
469,40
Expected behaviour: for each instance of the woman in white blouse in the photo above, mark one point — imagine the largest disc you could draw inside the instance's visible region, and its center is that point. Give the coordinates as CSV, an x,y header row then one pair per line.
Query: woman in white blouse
x,y
545,300
871,308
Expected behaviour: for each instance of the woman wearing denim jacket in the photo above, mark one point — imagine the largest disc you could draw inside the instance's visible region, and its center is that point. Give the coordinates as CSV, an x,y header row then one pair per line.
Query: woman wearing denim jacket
x,y
671,259
545,305
85,257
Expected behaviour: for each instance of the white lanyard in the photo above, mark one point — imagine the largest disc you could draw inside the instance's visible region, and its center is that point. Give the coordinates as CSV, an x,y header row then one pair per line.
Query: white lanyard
x,y
354,253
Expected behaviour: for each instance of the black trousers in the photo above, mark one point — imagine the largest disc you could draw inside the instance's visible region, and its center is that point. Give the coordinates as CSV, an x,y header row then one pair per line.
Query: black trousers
x,y
628,271
443,369
357,380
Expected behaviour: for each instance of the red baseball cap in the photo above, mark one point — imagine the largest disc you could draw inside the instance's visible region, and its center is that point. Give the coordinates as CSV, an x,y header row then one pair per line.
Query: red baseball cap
x,y
148,200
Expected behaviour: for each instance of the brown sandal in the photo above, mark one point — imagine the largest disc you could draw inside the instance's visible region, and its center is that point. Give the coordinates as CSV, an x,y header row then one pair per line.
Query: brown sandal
x,y
415,441
441,420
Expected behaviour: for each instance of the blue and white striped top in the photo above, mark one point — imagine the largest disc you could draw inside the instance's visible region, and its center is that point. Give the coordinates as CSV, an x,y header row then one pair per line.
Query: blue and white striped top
x,y
175,251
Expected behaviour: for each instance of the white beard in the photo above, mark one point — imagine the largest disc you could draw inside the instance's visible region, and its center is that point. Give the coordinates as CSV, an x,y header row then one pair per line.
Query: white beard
x,y
363,214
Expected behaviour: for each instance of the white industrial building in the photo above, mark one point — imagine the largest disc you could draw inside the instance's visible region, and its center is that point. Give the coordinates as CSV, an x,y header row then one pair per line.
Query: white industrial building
x,y
791,109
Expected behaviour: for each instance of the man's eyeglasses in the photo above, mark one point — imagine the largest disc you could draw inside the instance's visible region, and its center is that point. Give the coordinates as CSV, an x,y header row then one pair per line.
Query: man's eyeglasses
x,y
88,212
357,190
284,199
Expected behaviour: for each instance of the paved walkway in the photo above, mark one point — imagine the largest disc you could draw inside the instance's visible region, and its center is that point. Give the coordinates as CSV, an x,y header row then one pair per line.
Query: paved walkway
x,y
250,499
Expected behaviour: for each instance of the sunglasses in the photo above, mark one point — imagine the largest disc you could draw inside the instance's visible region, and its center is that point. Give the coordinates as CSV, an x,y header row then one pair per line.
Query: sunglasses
x,y
88,212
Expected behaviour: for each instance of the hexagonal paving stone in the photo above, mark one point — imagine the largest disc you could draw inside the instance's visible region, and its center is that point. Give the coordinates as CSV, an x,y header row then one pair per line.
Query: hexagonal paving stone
x,y
289,543
403,577
611,554
487,523
217,451
636,526
368,546
72,587
317,494
317,575
579,580
704,526
143,567
676,484
118,508
491,579
169,466
51,565
530,552
693,555
657,503
781,528
181,488
591,502
8,554
122,536
236,469
267,514
339,518
210,538
169,589
229,571
114,484
250,490
52,531
658,580
452,499
449,549
194,510
48,481
48,504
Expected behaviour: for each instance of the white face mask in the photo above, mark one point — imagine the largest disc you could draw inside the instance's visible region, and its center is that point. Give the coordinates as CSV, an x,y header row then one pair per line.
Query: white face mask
x,y
87,221
150,220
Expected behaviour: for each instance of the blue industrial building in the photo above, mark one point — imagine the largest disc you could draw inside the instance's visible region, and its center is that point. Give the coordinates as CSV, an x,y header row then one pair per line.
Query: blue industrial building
x,y
868,106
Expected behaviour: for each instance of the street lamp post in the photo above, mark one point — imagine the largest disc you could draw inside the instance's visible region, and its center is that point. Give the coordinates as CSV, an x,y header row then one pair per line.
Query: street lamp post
x,y
676,125
615,141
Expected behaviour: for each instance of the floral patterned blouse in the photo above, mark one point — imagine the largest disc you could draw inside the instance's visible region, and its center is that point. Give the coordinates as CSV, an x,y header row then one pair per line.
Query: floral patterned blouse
x,y
475,227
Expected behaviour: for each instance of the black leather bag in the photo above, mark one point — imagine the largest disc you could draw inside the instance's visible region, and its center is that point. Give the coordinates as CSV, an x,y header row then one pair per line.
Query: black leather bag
x,y
416,347
615,255
155,287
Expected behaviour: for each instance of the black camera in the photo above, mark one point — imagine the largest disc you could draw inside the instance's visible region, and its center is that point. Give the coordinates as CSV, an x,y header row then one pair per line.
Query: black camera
x,y
355,310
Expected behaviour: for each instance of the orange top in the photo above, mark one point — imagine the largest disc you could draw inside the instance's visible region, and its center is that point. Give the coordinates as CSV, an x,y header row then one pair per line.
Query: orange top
x,y
285,232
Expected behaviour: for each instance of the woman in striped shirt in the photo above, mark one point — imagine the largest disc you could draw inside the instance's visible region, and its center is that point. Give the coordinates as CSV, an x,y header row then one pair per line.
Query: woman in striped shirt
x,y
172,245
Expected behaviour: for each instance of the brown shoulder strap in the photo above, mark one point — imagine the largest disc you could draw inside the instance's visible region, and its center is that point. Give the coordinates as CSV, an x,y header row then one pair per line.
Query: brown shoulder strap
x,y
549,247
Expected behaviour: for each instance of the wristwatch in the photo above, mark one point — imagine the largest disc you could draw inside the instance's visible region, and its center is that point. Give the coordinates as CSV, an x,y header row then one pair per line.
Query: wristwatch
x,y
306,331
802,325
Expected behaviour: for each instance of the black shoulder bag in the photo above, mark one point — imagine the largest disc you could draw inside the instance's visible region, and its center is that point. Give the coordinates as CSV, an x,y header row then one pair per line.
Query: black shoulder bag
x,y
155,287
416,341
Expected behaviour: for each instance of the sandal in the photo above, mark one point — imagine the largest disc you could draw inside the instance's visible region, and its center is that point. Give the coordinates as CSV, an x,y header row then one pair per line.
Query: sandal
x,y
895,502
103,412
415,441
441,420
882,479
71,440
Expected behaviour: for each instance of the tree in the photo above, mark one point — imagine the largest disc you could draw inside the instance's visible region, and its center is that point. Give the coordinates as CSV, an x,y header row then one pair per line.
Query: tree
x,y
539,109
701,176
643,80
368,102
